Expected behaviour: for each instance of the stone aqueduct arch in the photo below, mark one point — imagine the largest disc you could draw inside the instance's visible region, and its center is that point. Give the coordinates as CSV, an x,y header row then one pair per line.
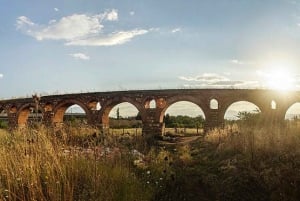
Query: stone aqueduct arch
x,y
53,107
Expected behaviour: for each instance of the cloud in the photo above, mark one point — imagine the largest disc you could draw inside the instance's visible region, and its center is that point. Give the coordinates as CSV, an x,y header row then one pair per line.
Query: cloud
x,y
67,28
212,80
131,13
56,9
1,75
176,30
241,62
80,56
206,77
235,61
79,29
112,15
23,22
112,39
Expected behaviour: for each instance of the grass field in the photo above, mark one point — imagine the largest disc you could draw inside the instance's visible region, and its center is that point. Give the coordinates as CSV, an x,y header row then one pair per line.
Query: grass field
x,y
239,162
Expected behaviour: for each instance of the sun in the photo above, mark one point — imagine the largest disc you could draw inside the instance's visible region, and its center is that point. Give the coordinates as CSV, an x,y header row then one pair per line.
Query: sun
x,y
279,79
277,75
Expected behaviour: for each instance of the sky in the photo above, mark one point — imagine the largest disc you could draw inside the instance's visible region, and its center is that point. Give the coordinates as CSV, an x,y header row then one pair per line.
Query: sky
x,y
71,46
68,46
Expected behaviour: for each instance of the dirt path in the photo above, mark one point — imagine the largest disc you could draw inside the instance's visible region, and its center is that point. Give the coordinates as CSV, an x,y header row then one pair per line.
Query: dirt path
x,y
181,140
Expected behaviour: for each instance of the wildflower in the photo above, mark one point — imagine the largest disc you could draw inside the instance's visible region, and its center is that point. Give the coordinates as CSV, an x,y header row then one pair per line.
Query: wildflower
x,y
148,172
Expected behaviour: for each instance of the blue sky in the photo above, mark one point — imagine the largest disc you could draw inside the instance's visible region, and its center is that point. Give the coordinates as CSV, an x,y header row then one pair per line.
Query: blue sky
x,y
65,46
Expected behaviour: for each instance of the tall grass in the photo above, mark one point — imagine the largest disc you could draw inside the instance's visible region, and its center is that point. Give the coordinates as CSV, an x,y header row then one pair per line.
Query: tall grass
x,y
257,163
247,139
39,166
243,161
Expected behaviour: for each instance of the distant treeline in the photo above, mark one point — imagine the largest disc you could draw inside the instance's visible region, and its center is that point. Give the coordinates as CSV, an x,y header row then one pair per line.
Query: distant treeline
x,y
181,121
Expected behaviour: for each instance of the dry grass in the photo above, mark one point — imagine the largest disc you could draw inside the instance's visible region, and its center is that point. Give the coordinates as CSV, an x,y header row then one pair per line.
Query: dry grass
x,y
250,139
239,162
37,166
256,163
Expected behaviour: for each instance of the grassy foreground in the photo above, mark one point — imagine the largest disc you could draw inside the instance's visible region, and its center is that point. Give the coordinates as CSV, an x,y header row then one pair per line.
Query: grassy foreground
x,y
240,162
38,166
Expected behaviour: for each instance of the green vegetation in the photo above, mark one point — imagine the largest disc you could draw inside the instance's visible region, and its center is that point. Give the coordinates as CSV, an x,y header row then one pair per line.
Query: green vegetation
x,y
183,121
3,124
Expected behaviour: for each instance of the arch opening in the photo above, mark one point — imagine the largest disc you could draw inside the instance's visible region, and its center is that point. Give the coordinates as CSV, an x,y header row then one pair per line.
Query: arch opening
x,y
123,119
293,113
242,111
3,119
183,118
151,103
75,115
71,113
98,106
214,104
273,105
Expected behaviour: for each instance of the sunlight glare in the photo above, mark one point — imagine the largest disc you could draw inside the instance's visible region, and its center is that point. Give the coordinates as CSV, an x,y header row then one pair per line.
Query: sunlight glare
x,y
278,75
279,79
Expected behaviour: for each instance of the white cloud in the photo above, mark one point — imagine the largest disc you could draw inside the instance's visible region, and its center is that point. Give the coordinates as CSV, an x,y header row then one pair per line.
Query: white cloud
x,y
212,80
241,62
80,56
176,30
206,77
131,13
1,75
56,9
67,28
79,29
112,15
23,22
112,39
235,61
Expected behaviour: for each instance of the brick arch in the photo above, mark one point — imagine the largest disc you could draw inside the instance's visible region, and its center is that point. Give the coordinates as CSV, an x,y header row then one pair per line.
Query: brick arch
x,y
192,99
111,103
60,109
23,112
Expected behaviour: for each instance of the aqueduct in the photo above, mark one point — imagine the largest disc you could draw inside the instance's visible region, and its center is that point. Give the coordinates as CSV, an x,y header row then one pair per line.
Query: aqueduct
x,y
213,102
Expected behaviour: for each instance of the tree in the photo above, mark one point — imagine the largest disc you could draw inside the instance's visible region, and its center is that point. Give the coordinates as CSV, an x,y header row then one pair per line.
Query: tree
x,y
118,113
249,117
139,116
